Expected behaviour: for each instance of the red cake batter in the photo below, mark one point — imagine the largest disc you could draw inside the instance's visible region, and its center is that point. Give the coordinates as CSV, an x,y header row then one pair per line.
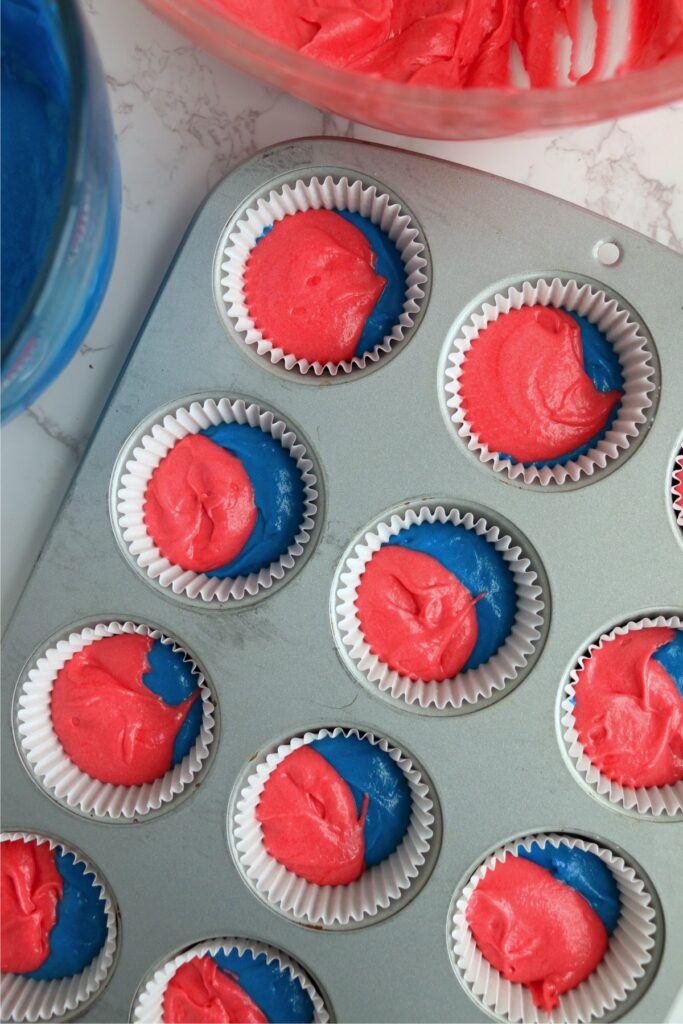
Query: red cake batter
x,y
524,390
535,930
467,43
200,992
415,615
628,712
309,820
199,507
310,286
31,888
109,723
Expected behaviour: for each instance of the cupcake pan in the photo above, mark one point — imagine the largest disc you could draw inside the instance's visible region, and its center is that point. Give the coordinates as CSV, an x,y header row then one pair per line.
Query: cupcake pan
x,y
607,547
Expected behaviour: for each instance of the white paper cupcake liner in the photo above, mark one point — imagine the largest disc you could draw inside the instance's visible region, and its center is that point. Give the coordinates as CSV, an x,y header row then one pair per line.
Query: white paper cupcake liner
x,y
627,962
156,444
659,803
676,486
330,906
468,687
49,763
25,999
147,1008
314,194
621,331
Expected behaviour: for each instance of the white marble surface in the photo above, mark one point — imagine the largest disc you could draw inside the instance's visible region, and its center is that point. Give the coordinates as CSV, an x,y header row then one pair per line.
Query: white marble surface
x,y
183,120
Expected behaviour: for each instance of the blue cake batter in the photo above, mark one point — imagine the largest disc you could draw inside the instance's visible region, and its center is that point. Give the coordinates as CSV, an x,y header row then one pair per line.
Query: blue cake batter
x,y
583,871
279,996
172,679
367,769
480,568
278,495
670,656
81,927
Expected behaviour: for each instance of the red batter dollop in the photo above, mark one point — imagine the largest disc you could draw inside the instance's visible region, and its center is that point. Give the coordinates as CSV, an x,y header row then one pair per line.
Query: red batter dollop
x,y
31,888
415,615
466,43
310,286
524,390
537,931
109,723
199,507
200,993
629,713
309,820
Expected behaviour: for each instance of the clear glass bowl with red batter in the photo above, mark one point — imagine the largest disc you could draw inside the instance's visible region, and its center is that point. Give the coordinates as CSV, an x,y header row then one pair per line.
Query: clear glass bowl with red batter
x,y
423,111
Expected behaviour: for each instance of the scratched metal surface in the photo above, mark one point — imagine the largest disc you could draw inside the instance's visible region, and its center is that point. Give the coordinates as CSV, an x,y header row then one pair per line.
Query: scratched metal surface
x,y
609,549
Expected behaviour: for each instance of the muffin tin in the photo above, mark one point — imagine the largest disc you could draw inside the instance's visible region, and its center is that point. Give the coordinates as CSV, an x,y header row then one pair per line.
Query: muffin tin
x,y
381,440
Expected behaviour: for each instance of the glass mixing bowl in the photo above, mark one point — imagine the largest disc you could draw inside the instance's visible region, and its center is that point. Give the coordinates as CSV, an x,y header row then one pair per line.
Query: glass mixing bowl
x,y
418,110
75,268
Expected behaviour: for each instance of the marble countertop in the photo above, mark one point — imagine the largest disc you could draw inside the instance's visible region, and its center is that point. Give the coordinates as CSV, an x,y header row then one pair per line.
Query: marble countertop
x,y
182,121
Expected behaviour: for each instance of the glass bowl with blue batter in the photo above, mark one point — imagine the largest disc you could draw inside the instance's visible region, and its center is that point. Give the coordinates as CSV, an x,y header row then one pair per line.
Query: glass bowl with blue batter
x,y
61,193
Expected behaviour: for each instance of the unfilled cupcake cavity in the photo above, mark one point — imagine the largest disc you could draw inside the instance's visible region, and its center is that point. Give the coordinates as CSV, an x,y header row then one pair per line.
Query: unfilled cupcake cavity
x,y
380,890
357,198
29,999
472,688
145,450
614,986
617,323
652,803
51,767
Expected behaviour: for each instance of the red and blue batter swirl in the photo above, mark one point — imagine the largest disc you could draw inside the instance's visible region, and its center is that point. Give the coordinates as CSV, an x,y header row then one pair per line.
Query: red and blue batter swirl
x,y
234,986
126,709
226,502
541,386
53,921
543,917
333,808
628,707
436,600
325,285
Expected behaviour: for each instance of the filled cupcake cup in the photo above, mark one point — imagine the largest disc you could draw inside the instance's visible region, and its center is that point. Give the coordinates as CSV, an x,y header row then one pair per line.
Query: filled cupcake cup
x,y
656,803
148,1004
677,490
333,906
299,195
621,330
31,999
130,482
54,770
626,968
467,688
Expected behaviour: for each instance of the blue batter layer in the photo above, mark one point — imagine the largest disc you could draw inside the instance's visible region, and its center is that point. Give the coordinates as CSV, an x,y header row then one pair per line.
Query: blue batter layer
x,y
278,494
602,365
172,679
670,656
386,312
279,996
368,770
584,872
81,927
480,568
35,135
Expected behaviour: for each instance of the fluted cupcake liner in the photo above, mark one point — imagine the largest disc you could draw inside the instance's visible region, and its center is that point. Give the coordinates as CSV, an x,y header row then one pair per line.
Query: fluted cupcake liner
x,y
147,1008
51,766
131,489
329,906
27,999
677,489
658,803
627,340
624,967
330,193
466,688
